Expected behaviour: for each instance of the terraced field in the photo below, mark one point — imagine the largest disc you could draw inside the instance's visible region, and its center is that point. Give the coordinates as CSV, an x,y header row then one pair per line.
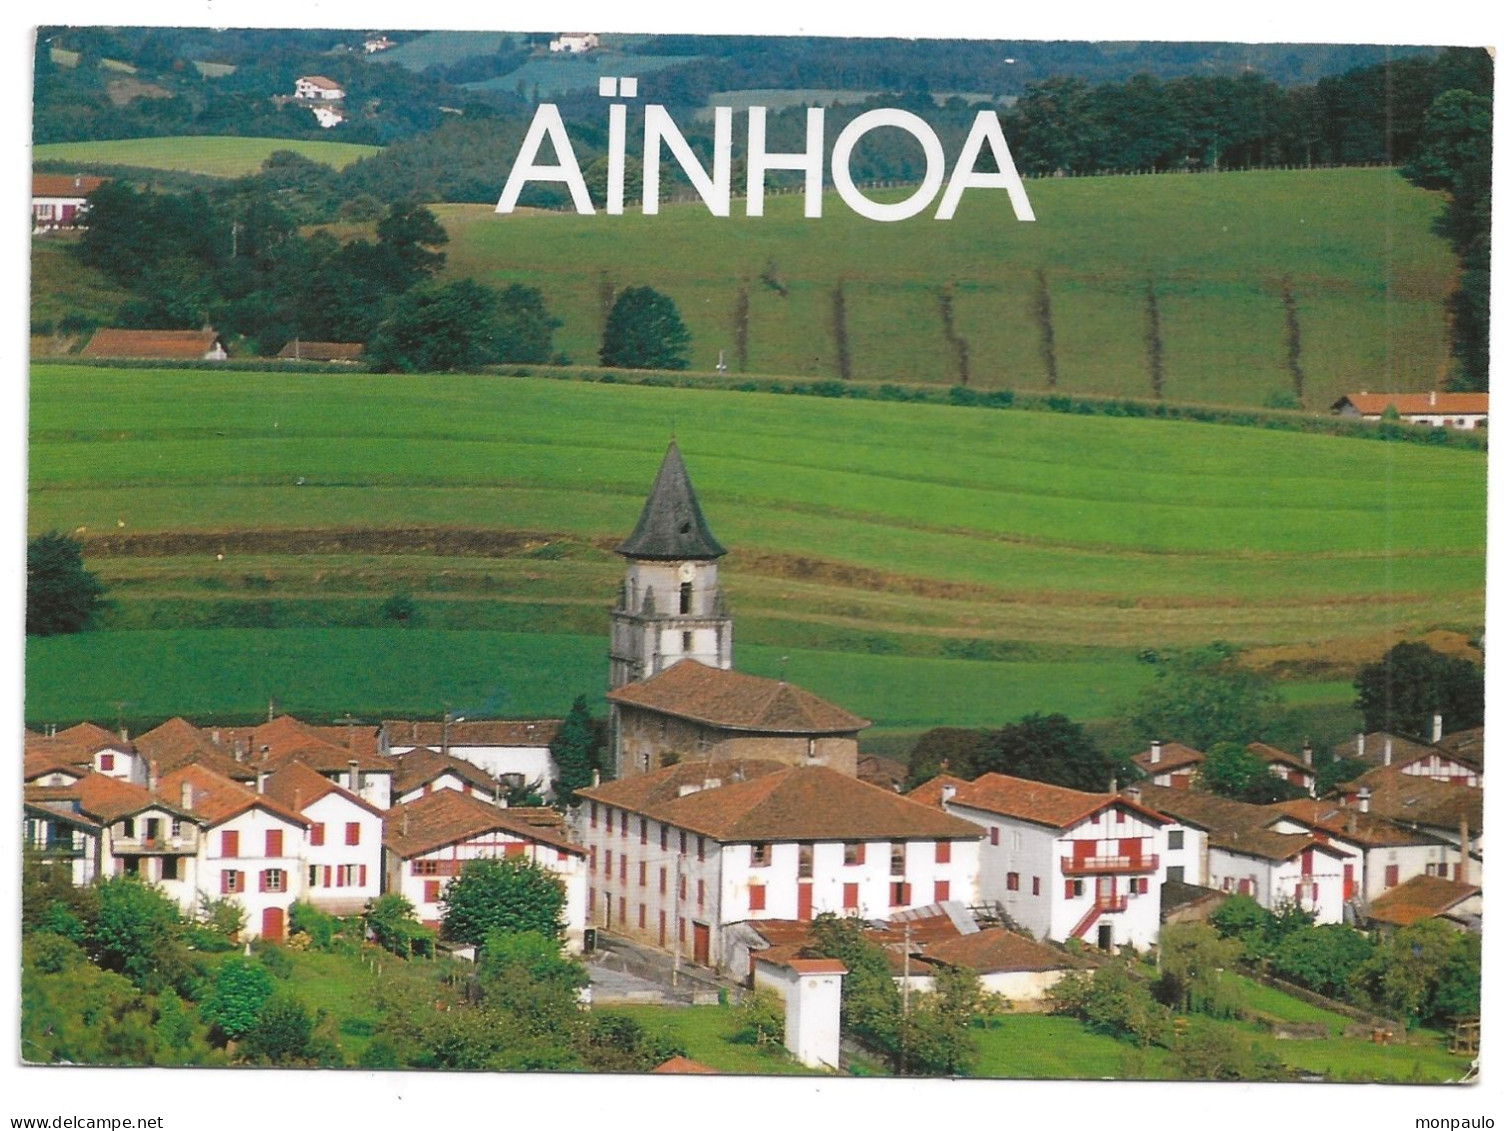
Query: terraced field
x,y
212,156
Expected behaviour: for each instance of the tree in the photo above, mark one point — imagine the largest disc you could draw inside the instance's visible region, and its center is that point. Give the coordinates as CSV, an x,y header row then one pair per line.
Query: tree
x,y
1411,683
1323,958
405,239
61,595
524,327
241,990
1047,748
1192,957
511,894
1114,1002
644,331
573,752
760,1017
936,1036
1214,1052
282,1033
870,1005
1202,696
437,329
944,750
1428,972
614,1042
1233,770
1259,930
136,932
394,925
527,976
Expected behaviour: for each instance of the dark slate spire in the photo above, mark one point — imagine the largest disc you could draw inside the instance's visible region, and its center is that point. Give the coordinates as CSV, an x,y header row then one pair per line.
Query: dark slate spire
x,y
672,527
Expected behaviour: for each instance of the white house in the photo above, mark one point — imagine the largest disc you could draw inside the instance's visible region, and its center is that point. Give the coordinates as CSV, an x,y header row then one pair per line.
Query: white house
x,y
318,88
811,993
251,847
1449,811
1298,771
1006,963
511,751
346,755
1064,863
422,771
60,200
1448,410
327,116
342,852
108,753
55,832
1171,764
574,43
680,853
1428,897
429,841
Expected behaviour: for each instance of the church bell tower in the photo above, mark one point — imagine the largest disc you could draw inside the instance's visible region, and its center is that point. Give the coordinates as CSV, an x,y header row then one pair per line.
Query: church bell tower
x,y
670,606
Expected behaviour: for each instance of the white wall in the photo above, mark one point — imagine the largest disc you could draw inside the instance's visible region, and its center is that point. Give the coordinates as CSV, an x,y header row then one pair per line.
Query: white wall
x,y
336,872
252,860
812,1012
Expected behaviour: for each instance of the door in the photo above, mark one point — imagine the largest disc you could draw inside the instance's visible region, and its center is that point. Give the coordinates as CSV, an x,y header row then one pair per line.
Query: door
x,y
1107,888
806,902
1347,881
702,944
1104,937
1082,851
272,924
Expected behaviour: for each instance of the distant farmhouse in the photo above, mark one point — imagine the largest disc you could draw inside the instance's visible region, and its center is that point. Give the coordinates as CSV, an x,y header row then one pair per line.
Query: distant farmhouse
x,y
156,345
60,200
318,92
1443,410
299,350
575,43
376,43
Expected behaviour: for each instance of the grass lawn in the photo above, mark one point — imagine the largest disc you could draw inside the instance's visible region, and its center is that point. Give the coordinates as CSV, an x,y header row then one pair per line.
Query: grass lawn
x,y
1266,999
708,1034
1036,1046
213,156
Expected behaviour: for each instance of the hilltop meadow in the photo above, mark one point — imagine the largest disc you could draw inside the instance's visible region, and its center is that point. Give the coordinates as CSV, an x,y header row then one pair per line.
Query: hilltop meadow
x,y
922,564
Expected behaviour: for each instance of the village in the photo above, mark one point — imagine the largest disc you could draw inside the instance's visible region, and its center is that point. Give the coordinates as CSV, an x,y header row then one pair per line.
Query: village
x,y
738,811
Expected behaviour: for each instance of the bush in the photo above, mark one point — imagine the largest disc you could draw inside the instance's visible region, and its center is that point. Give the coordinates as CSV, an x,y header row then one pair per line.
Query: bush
x,y
760,1019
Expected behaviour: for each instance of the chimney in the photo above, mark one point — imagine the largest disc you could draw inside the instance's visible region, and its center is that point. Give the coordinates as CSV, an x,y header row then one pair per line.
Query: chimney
x,y
216,736
1306,752
354,776
124,735
1352,822
260,781
1365,795
152,781
1134,794
1388,749
188,796
1112,785
946,793
1436,728
1362,743
1433,398
1156,751
404,822
595,777
1463,862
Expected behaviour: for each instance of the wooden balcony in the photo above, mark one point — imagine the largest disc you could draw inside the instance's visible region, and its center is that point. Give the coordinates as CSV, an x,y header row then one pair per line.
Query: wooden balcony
x,y
1108,865
184,845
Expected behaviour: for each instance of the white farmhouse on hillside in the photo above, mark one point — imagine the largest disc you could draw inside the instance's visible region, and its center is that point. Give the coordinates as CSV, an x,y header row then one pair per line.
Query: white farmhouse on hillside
x,y
574,43
318,88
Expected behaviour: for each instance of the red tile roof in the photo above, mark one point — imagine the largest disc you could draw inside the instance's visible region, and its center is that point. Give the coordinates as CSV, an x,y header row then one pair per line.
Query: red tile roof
x,y
192,345
177,743
996,950
39,763
933,791
1420,897
471,732
1172,756
449,817
1040,803
322,351
683,1066
419,766
103,798
92,737
736,701
64,184
1234,826
1413,799
777,802
216,799
1347,823
1273,754
1418,404
297,787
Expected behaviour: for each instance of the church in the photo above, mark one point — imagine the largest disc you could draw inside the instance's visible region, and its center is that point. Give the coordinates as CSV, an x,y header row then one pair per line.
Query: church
x,y
675,695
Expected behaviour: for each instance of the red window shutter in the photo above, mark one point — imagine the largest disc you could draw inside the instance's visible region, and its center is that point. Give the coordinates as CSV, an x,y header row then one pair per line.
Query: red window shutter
x,y
1036,885
430,891
851,897
642,873
757,897
1391,875
608,863
663,837
700,847
352,832
592,857
264,873
861,852
225,883
517,849
274,842
662,881
942,852
106,761
339,876
942,890
608,819
683,887
229,843
994,834
1012,881
623,867
806,902
642,830
593,815
642,916
328,875
621,909
1070,890
700,892
316,835
362,875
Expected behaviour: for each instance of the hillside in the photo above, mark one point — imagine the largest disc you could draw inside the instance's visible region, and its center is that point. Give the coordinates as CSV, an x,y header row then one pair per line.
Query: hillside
x,y
1037,552
210,156
1348,254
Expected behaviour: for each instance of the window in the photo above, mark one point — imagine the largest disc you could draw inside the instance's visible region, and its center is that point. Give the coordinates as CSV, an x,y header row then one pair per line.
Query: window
x,y
662,881
942,852
642,830
231,882
1138,885
850,897
273,879
942,890
592,858
700,848
1175,838
898,893
1036,885
642,916
274,842
686,641
431,891
1018,841
623,867
762,855
128,828
608,820
683,842
608,863
177,826
106,761
316,835
313,875
593,815
1012,881
700,892
994,835
229,844
169,867
686,600
1122,815
1176,873
856,853
897,857
806,861
683,887
1074,889
1391,875
352,832
642,873
621,910
757,897
663,837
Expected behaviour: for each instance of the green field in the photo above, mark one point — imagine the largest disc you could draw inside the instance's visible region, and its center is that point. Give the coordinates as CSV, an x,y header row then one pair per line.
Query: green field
x,y
917,563
1368,274
552,76
211,156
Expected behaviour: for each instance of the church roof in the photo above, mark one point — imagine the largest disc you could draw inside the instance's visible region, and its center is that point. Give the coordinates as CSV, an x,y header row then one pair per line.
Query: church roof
x,y
672,526
734,700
